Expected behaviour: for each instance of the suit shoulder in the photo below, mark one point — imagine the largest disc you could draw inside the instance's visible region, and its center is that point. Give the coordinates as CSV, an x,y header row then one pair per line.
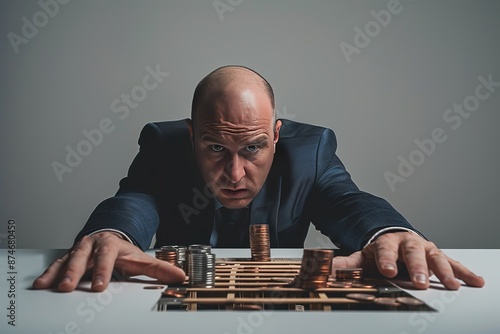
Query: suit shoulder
x,y
165,131
297,129
291,130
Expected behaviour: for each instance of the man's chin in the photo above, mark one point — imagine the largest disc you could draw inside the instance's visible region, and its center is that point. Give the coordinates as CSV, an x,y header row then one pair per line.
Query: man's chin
x,y
234,203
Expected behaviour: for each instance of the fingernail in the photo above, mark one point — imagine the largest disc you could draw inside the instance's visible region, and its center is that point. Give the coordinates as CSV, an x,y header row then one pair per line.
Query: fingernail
x,y
421,278
65,280
452,280
97,281
389,266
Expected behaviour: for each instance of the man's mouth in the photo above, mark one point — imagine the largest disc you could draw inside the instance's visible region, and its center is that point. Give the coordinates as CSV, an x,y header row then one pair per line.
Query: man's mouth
x,y
235,193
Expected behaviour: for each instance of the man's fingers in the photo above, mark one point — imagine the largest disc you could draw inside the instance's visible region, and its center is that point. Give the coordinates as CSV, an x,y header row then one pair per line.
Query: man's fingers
x,y
355,260
76,265
385,252
47,279
441,267
455,269
104,260
413,255
144,264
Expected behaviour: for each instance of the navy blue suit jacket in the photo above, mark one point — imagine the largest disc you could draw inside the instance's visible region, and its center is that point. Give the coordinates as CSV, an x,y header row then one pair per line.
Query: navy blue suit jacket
x,y
164,193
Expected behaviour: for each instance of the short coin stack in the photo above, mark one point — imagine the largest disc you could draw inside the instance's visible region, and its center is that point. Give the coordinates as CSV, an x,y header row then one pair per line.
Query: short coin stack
x,y
349,274
315,269
167,253
201,266
260,243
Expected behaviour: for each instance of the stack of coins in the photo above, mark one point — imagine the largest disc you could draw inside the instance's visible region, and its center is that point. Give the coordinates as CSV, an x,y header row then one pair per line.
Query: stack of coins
x,y
167,253
201,248
200,263
315,269
181,257
260,243
349,274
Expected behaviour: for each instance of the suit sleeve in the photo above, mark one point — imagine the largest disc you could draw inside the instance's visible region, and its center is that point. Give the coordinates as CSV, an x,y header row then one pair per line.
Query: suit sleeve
x,y
341,211
133,210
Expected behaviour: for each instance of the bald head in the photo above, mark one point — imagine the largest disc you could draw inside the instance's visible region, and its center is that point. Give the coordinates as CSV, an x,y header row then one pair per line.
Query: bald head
x,y
218,82
234,133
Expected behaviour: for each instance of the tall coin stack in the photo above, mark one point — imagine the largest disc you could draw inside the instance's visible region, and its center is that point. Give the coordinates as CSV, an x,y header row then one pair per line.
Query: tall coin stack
x,y
181,257
260,243
201,266
315,269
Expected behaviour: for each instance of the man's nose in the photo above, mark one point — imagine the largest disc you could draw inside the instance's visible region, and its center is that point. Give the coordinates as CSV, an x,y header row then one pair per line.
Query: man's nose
x,y
235,168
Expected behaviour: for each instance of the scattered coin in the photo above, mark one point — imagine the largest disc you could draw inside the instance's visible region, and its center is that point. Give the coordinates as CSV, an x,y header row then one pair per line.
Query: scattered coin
x,y
174,293
154,287
349,274
386,301
360,296
362,286
339,284
410,301
248,307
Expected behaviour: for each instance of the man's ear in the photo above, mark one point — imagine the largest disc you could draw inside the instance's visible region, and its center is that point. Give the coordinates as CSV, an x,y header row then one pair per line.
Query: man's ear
x,y
189,124
277,128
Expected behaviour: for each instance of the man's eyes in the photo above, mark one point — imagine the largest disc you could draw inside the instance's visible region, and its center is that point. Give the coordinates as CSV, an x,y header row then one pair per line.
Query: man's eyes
x,y
248,149
252,148
216,148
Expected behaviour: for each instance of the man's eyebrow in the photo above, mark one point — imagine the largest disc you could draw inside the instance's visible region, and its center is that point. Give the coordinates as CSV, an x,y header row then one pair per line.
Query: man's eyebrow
x,y
260,138
210,138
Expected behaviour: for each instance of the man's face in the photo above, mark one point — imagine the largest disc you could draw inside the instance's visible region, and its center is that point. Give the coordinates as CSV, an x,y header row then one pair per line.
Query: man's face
x,y
234,137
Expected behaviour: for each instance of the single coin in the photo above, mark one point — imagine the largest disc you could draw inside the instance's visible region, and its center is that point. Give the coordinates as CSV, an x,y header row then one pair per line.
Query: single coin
x,y
360,296
154,287
386,301
339,285
248,307
409,301
362,286
174,294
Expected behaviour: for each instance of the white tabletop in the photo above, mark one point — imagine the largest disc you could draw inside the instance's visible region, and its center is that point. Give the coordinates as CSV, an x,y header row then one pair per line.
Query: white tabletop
x,y
128,308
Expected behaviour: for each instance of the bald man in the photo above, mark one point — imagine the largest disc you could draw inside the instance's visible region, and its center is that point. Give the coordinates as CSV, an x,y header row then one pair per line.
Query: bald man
x,y
204,180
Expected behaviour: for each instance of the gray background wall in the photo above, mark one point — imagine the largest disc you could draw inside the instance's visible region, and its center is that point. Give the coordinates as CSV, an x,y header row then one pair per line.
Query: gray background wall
x,y
396,89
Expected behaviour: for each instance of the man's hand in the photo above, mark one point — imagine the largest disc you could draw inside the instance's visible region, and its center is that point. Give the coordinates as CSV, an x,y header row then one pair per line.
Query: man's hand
x,y
422,259
104,252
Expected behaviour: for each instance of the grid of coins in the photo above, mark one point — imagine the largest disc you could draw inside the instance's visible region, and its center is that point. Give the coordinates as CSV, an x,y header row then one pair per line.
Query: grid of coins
x,y
260,243
315,269
241,284
349,274
201,266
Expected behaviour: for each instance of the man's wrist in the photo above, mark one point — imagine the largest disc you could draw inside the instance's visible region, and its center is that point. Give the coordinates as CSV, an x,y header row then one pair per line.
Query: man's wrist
x,y
116,232
390,229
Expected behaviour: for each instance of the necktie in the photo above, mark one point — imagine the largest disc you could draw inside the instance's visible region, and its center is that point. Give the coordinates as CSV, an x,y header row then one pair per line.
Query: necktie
x,y
232,228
